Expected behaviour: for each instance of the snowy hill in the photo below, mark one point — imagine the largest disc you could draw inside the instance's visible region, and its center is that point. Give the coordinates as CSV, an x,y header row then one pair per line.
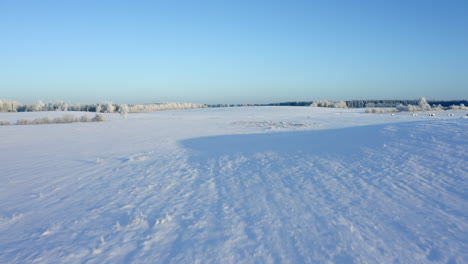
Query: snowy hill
x,y
236,185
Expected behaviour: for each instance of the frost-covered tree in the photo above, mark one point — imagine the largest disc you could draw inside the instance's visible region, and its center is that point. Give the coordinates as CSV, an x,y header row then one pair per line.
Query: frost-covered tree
x,y
340,104
462,107
437,107
110,108
40,106
9,105
423,104
61,106
123,110
58,105
107,107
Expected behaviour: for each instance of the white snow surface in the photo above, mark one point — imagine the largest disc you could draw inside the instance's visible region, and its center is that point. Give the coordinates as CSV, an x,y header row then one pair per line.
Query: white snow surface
x,y
236,185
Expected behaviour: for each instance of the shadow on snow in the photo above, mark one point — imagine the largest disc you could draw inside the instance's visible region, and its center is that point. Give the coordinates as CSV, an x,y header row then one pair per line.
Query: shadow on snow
x,y
344,141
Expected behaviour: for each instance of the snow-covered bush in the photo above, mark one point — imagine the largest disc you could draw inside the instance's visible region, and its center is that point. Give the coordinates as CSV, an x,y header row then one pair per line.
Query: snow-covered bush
x,y
60,120
407,108
22,122
65,119
98,118
458,107
381,110
85,118
4,123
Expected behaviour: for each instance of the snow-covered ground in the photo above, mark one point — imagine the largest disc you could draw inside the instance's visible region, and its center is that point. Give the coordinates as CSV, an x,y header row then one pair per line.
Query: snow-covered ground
x,y
236,185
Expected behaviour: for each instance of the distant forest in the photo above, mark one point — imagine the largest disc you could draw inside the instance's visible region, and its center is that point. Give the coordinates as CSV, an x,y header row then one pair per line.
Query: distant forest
x,y
109,107
355,103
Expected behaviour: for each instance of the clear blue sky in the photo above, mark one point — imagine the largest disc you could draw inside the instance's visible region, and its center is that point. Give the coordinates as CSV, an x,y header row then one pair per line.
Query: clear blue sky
x,y
240,51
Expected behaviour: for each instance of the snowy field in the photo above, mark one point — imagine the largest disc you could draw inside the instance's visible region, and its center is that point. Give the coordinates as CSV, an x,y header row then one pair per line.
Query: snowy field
x,y
236,185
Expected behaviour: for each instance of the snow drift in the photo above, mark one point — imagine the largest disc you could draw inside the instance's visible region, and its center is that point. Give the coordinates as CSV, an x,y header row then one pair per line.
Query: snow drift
x,y
204,186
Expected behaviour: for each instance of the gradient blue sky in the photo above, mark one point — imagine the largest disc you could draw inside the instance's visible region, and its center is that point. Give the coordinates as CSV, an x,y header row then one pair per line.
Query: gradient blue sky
x,y
232,51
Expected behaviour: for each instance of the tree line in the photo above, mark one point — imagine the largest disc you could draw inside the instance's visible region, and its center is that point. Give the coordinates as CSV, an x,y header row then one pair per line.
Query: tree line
x,y
103,107
109,107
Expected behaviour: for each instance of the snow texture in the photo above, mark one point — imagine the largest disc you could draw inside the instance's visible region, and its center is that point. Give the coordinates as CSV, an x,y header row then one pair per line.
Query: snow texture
x,y
236,185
